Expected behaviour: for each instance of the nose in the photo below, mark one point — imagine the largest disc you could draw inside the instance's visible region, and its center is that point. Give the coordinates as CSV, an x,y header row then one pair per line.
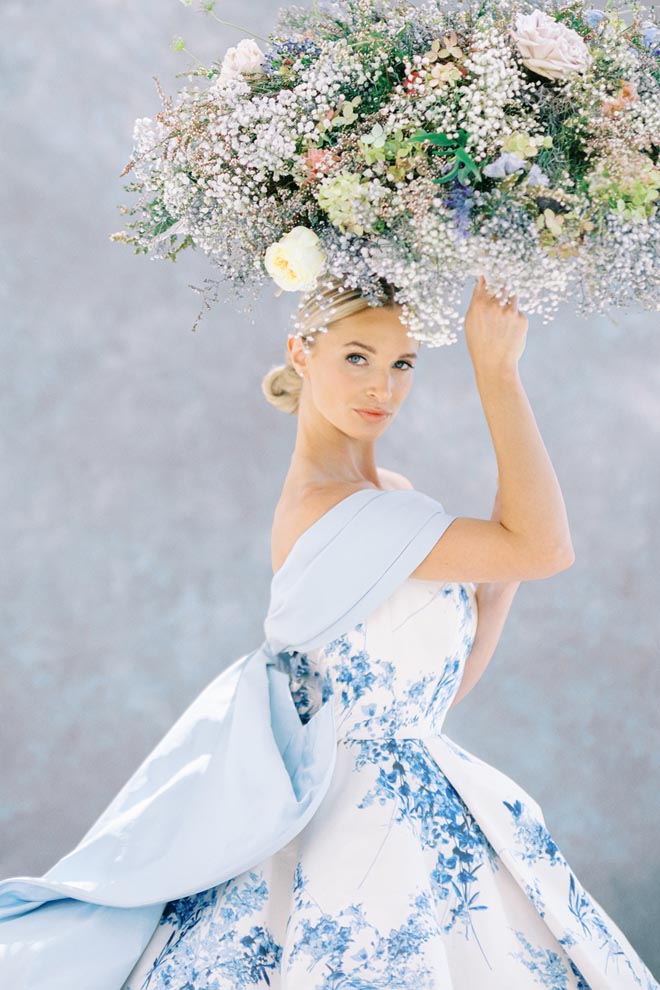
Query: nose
x,y
380,385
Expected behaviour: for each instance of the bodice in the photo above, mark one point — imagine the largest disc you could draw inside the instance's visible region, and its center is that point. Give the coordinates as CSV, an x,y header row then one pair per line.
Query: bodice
x,y
397,671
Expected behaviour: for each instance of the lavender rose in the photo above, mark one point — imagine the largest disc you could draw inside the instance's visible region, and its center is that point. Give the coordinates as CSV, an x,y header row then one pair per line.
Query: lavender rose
x,y
548,47
506,164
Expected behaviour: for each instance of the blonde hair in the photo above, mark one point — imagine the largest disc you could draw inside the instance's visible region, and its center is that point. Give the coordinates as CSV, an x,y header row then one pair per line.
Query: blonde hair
x,y
332,300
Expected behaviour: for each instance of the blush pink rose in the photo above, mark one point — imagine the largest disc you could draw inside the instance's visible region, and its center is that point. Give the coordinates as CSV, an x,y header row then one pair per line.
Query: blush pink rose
x,y
319,161
548,47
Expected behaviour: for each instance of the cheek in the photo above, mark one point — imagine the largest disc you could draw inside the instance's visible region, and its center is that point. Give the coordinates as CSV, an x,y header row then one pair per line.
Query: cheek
x,y
404,384
339,379
335,386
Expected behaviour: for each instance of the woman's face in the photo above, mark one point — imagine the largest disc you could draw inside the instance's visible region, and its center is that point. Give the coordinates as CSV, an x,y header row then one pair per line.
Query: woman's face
x,y
365,361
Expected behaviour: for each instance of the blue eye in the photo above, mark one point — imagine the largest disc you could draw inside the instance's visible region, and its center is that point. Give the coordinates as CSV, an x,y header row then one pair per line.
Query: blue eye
x,y
354,354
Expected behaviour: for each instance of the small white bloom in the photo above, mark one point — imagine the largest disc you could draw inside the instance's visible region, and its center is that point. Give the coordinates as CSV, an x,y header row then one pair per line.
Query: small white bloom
x,y
295,261
507,163
245,57
548,47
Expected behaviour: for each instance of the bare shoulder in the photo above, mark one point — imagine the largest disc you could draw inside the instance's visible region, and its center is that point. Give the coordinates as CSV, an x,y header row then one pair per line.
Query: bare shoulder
x,y
393,480
299,509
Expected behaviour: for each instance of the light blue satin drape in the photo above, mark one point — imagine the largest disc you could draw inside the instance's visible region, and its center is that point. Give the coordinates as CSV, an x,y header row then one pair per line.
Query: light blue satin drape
x,y
234,779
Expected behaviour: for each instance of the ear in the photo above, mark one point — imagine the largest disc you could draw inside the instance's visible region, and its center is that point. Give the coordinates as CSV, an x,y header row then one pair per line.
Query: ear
x,y
297,351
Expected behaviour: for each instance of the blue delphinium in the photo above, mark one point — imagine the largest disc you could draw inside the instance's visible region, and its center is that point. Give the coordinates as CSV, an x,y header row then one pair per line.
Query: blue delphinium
x,y
594,16
651,37
460,199
289,50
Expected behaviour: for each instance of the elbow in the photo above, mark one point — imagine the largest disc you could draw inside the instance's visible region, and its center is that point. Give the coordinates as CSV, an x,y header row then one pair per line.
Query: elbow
x,y
551,562
563,559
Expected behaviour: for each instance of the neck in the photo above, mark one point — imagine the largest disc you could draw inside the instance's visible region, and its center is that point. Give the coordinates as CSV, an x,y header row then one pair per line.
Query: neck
x,y
323,452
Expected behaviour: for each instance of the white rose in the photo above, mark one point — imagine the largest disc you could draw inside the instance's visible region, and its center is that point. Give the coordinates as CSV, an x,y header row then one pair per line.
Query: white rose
x,y
245,57
295,261
548,47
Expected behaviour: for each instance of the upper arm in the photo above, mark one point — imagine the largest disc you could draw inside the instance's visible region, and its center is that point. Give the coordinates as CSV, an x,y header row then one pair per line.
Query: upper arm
x,y
482,550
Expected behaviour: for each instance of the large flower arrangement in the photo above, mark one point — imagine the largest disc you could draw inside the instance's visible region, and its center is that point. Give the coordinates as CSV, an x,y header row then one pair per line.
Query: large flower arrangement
x,y
379,140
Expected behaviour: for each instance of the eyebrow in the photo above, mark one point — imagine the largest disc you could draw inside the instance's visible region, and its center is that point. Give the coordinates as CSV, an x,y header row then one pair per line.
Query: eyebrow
x,y
356,343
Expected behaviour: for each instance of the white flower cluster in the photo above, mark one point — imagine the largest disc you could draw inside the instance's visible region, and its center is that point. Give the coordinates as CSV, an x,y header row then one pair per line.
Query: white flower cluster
x,y
414,147
495,82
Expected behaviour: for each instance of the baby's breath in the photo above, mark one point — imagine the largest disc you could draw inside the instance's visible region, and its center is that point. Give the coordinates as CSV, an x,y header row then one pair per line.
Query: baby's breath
x,y
422,145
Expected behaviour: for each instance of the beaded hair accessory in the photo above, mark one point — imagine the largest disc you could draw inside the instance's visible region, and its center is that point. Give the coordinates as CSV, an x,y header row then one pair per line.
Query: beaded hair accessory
x,y
319,307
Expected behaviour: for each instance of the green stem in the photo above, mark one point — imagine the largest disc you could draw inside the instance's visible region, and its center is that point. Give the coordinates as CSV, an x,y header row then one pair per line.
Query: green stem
x,y
237,26
192,56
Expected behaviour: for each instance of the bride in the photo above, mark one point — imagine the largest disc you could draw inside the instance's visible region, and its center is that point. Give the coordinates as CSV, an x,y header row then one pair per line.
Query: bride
x,y
306,823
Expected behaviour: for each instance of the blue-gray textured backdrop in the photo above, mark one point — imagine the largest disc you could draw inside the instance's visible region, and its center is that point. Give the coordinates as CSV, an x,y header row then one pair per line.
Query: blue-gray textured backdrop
x,y
141,467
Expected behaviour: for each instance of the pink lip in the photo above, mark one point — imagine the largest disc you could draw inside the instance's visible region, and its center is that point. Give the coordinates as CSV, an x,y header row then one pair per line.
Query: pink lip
x,y
372,416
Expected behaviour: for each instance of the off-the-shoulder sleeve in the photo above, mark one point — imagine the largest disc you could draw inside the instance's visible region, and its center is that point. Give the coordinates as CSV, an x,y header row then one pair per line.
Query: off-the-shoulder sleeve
x,y
348,562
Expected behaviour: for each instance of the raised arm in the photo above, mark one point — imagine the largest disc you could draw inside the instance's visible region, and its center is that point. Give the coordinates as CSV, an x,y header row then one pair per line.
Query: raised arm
x,y
532,539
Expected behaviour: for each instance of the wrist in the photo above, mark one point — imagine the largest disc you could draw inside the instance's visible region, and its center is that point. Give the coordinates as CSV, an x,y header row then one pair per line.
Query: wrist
x,y
506,375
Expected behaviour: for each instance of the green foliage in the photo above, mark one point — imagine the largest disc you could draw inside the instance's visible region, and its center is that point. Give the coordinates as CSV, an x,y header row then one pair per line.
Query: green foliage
x,y
463,167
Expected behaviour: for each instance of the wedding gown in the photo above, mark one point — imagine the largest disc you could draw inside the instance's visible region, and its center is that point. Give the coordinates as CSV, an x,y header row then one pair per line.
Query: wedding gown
x,y
306,824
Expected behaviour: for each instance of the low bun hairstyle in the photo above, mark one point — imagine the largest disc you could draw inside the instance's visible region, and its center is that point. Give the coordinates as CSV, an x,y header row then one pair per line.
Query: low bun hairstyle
x,y
281,386
318,309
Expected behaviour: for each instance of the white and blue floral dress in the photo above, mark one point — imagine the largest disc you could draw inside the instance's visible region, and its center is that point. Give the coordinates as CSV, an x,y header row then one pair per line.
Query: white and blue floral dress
x,y
423,868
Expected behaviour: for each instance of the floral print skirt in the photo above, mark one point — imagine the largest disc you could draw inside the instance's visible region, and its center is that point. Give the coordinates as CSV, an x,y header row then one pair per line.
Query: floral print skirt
x,y
394,884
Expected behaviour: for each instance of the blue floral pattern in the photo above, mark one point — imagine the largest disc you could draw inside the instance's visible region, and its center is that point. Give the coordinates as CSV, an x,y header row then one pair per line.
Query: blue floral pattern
x,y
423,866
431,807
548,968
533,837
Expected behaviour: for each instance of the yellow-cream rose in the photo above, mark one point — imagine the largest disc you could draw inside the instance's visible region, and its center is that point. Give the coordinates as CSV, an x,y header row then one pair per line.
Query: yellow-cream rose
x,y
295,261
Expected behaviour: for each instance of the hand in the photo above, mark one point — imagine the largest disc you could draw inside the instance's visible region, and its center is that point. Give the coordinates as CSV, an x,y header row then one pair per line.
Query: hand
x,y
495,333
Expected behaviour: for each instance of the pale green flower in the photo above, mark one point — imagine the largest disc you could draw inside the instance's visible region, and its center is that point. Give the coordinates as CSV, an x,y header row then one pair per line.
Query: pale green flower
x,y
524,145
629,186
348,201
